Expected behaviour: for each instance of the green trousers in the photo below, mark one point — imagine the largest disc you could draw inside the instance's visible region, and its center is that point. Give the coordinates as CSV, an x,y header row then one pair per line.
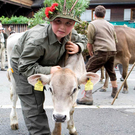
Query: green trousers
x,y
32,105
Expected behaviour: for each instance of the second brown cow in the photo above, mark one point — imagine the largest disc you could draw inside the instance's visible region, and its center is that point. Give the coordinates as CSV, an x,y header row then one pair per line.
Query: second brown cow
x,y
125,51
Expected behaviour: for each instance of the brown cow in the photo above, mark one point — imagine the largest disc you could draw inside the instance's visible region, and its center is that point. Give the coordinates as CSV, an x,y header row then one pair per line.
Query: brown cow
x,y
125,51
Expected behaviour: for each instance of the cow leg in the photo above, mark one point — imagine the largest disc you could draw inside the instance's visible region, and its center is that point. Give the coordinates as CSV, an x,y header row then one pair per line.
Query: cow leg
x,y
105,86
106,80
71,125
102,74
124,74
13,114
57,129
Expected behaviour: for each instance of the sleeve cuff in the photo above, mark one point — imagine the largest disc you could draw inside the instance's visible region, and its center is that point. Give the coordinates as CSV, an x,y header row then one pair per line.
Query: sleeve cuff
x,y
44,70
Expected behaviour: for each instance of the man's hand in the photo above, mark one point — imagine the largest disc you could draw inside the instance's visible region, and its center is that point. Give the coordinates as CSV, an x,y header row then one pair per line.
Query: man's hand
x,y
72,48
90,49
54,69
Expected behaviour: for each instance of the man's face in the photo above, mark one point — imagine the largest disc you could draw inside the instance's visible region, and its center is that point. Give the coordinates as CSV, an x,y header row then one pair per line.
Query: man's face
x,y
62,27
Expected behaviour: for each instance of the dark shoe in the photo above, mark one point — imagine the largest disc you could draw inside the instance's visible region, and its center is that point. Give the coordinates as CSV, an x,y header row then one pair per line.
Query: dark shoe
x,y
102,90
87,99
3,69
121,79
114,91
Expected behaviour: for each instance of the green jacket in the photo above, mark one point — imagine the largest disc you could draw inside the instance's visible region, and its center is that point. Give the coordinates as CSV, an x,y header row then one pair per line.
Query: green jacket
x,y
38,50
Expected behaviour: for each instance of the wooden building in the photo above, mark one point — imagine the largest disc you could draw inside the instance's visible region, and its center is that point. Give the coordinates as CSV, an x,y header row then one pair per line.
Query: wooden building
x,y
9,8
26,8
117,11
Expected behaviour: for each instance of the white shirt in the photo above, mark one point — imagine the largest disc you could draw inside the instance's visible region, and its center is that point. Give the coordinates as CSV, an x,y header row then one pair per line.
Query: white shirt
x,y
2,38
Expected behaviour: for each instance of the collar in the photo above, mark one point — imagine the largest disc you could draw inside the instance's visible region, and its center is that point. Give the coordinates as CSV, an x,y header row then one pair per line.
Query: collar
x,y
52,36
99,18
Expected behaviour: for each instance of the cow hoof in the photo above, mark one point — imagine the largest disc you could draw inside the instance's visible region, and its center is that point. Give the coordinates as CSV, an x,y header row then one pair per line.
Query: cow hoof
x,y
101,80
102,90
122,79
125,91
75,133
14,126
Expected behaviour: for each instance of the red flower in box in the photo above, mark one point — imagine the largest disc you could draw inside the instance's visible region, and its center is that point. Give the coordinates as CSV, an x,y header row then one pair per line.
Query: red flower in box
x,y
53,6
48,10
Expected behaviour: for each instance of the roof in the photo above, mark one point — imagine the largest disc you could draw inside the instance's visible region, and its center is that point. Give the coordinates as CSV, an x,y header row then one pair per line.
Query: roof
x,y
22,3
9,8
112,2
37,4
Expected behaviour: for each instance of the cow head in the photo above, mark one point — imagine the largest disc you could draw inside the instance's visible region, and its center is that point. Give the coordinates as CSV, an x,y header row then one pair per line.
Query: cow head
x,y
64,89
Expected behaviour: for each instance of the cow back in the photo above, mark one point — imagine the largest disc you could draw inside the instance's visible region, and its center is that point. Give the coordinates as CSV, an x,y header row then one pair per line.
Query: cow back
x,y
126,42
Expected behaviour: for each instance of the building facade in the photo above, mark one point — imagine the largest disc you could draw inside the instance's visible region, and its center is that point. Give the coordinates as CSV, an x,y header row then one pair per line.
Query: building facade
x,y
118,12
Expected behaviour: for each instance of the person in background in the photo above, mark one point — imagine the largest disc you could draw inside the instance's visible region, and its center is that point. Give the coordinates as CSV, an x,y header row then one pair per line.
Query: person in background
x,y
38,51
11,29
3,38
102,41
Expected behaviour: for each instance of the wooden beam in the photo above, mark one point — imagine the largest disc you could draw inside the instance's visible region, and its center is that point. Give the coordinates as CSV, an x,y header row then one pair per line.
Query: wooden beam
x,y
1,5
15,10
23,2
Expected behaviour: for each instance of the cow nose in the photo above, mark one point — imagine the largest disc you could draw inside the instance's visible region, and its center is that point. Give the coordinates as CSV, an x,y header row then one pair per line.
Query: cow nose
x,y
59,117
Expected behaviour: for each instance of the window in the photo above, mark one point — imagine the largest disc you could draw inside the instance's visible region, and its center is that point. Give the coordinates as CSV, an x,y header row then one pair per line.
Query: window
x,y
127,14
86,16
133,14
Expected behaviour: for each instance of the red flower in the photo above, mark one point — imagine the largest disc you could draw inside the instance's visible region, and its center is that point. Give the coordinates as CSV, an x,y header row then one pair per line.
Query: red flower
x,y
52,9
53,6
47,11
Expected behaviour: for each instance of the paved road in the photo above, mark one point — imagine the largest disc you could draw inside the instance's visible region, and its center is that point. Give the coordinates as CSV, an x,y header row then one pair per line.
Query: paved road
x,y
102,118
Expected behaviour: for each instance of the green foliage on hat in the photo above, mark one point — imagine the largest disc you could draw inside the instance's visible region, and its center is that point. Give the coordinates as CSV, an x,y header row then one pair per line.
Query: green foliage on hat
x,y
72,7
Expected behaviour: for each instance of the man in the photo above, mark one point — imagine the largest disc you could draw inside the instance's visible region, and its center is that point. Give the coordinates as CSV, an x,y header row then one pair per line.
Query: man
x,y
101,41
11,29
3,37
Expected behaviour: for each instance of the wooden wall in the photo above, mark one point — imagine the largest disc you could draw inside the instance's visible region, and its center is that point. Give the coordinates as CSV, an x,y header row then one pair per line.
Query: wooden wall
x,y
17,27
23,2
117,14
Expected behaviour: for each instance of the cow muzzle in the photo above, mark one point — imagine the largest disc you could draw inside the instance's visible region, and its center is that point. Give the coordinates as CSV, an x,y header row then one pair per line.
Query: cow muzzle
x,y
59,118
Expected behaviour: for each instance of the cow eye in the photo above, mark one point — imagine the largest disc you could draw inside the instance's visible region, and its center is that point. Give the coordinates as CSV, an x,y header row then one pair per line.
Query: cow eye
x,y
50,89
74,91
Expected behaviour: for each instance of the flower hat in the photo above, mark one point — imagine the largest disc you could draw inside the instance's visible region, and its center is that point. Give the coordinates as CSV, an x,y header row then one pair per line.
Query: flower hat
x,y
70,9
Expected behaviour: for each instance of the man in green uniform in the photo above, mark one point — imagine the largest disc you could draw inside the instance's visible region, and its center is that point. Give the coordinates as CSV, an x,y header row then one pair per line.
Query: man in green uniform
x,y
38,51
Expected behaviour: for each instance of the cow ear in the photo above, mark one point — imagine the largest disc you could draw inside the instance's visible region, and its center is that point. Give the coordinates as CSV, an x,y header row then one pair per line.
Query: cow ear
x,y
45,79
92,76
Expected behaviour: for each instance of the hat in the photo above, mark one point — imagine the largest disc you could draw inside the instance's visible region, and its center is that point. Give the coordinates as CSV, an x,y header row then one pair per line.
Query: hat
x,y
70,9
